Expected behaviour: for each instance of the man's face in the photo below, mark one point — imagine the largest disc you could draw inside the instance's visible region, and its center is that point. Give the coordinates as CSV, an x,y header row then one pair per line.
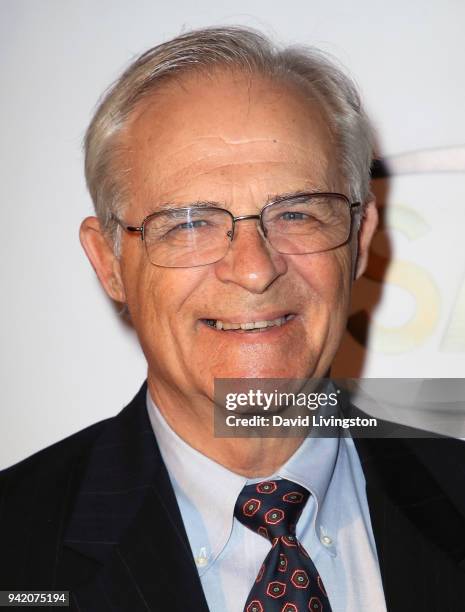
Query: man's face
x,y
237,141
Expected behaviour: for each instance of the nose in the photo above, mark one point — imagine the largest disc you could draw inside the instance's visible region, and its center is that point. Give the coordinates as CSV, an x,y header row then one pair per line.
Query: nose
x,y
251,261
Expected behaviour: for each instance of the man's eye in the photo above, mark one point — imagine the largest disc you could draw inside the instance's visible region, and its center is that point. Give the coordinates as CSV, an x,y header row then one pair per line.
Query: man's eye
x,y
189,225
294,216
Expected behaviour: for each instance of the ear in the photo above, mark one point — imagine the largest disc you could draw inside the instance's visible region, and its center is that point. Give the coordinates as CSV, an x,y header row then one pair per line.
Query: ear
x,y
100,253
368,225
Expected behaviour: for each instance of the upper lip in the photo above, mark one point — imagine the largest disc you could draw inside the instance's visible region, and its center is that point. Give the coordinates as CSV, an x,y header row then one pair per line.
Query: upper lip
x,y
252,316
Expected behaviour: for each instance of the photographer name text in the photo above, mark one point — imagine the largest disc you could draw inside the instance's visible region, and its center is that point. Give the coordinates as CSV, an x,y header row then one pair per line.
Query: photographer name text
x,y
299,421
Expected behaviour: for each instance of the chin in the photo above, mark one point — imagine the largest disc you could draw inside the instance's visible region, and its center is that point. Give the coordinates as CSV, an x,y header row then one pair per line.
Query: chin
x,y
265,370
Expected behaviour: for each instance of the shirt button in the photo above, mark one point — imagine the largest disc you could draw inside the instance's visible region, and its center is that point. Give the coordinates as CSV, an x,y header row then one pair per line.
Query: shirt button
x,y
326,540
202,559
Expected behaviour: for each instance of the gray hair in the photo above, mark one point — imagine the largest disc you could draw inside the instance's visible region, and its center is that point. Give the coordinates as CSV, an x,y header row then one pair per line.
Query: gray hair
x,y
229,47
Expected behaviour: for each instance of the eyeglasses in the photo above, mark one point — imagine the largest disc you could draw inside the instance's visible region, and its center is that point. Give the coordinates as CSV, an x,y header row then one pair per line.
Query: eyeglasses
x,y
199,235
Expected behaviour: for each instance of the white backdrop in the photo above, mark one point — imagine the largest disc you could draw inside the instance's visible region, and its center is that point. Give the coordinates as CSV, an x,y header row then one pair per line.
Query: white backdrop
x,y
66,359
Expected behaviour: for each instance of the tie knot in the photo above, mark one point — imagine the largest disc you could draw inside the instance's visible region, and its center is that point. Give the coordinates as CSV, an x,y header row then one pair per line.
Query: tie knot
x,y
271,508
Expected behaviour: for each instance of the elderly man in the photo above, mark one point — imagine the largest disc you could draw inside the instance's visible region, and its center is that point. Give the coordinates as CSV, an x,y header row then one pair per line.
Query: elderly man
x,y
231,185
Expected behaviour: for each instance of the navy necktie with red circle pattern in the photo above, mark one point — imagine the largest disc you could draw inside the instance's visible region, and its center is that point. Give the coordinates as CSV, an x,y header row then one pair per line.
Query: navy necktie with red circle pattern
x,y
288,580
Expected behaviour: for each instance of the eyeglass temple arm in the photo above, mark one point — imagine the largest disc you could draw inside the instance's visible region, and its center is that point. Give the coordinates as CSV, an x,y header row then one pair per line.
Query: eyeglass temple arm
x,y
128,228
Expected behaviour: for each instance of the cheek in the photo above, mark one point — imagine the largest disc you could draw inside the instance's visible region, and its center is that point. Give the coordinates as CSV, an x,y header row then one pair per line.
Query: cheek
x,y
160,296
327,278
338,283
155,300
328,281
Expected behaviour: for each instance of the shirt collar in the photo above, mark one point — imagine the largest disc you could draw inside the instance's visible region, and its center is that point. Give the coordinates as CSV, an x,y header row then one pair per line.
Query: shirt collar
x,y
207,492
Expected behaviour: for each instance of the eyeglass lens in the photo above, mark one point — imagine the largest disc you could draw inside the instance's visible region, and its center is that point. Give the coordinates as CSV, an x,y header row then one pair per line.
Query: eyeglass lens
x,y
199,236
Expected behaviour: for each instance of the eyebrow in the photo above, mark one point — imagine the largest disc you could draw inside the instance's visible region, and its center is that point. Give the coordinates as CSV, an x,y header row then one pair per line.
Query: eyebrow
x,y
171,206
277,197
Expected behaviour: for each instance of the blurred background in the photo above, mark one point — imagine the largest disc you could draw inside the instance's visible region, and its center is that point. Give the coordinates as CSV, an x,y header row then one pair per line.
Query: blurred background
x,y
67,360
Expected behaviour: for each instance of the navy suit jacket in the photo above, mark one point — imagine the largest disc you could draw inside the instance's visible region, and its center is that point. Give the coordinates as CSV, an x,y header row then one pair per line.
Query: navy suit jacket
x,y
95,514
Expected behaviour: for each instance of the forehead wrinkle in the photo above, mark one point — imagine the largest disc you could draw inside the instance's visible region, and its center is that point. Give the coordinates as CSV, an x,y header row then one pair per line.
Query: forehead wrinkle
x,y
191,172
207,165
224,146
235,165
316,159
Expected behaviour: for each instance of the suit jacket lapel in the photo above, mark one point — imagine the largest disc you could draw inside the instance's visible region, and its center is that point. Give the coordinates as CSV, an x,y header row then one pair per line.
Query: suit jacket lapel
x,y
125,545
419,532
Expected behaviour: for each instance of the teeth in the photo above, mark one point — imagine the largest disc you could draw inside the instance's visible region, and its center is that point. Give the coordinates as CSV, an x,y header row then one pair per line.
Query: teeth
x,y
250,325
231,325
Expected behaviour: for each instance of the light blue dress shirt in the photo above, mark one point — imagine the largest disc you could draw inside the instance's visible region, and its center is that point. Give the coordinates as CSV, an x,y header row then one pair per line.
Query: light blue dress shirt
x,y
334,528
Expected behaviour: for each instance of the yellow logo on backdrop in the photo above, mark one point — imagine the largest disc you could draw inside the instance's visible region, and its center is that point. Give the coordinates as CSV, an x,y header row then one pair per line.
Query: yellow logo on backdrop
x,y
408,276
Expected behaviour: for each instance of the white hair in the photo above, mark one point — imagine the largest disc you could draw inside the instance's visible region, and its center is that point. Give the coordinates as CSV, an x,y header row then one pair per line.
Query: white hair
x,y
230,47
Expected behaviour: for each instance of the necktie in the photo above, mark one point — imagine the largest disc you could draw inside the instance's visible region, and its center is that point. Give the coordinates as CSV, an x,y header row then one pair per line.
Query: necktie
x,y
288,580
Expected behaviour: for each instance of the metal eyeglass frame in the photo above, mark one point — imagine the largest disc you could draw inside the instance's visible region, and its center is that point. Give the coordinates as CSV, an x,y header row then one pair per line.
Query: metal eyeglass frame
x,y
141,228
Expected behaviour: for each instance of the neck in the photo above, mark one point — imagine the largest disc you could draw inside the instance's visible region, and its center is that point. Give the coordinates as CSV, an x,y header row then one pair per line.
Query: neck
x,y
193,422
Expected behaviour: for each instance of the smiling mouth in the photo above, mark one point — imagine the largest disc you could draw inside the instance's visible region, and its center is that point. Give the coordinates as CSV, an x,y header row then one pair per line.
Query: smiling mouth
x,y
248,326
